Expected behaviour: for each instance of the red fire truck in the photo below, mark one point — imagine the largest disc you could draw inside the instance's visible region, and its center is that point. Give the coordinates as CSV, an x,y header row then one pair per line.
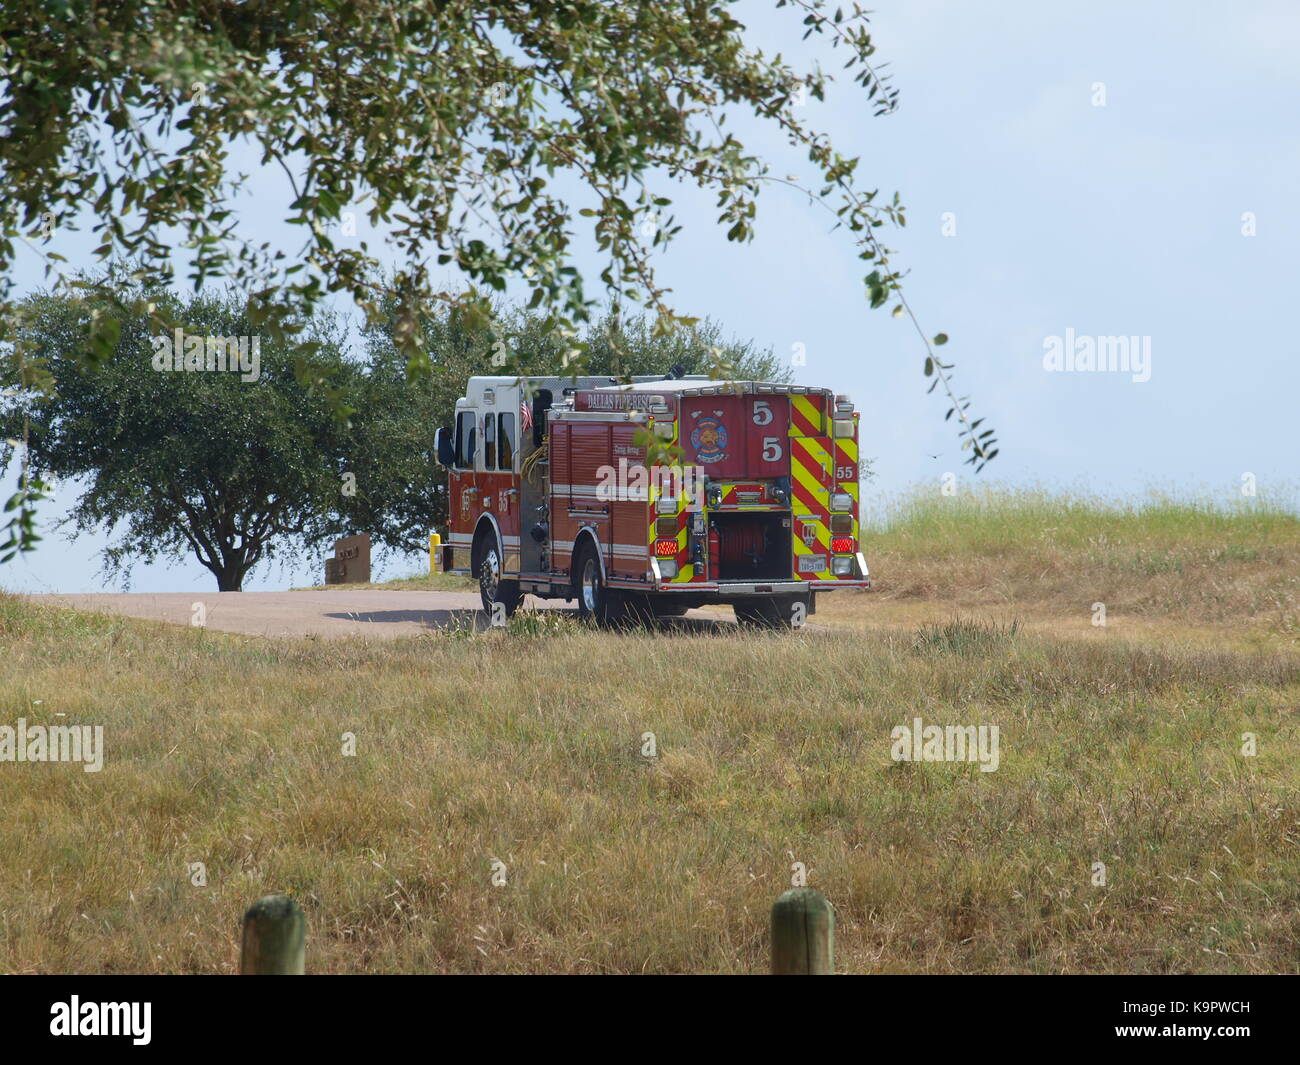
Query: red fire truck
x,y
551,494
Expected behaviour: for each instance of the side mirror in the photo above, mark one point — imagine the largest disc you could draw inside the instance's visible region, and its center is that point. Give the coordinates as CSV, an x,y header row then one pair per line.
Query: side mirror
x,y
541,405
446,450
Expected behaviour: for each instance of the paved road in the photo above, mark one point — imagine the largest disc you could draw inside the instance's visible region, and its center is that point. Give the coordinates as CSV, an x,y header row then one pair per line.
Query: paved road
x,y
331,613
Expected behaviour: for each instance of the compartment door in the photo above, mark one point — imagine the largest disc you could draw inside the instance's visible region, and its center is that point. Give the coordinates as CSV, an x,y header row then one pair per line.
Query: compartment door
x,y
713,435
629,553
811,471
767,448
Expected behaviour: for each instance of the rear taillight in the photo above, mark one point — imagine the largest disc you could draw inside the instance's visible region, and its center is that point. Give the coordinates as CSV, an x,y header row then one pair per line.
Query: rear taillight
x,y
842,545
841,501
665,548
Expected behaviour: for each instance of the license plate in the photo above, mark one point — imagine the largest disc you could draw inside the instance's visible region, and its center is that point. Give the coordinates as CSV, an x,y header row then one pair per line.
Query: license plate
x,y
812,563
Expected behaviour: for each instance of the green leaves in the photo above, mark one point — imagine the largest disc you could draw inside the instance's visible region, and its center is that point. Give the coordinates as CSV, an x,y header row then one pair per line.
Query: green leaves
x,y
103,337
877,289
435,129
220,464
20,530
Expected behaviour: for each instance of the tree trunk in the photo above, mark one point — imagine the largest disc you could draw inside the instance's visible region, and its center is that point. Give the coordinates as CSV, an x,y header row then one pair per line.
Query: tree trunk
x,y
230,577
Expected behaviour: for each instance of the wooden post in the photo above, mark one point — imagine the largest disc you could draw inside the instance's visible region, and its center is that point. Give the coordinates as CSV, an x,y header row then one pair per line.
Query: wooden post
x,y
275,938
803,934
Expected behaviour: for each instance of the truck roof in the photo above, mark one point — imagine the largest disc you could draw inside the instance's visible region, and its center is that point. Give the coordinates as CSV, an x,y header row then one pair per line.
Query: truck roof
x,y
691,385
705,386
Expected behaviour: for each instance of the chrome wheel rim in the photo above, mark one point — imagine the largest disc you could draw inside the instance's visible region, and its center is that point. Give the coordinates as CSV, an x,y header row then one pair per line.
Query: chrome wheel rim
x,y
590,580
490,574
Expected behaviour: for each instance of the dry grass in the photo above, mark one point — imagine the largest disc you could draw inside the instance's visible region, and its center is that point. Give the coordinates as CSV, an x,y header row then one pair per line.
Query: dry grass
x,y
524,746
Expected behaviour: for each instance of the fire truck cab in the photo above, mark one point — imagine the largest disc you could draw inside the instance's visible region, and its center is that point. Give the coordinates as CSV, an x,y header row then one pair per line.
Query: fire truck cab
x,y
651,497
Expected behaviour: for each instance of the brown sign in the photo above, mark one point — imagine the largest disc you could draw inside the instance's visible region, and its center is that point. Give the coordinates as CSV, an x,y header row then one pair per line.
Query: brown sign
x,y
351,561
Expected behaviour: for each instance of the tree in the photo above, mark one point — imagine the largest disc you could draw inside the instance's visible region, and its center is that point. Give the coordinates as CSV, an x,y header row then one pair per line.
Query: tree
x,y
448,118
446,122
230,465
627,347
236,465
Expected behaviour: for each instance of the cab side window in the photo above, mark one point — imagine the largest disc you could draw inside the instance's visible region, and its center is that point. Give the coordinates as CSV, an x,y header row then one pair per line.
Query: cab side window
x,y
489,441
506,442
465,439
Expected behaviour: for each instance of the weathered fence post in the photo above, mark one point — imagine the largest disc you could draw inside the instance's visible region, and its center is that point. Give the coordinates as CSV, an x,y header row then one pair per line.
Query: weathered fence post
x,y
275,938
803,934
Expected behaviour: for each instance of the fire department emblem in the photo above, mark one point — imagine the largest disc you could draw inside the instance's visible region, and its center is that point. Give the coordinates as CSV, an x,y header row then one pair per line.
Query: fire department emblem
x,y
709,438
809,532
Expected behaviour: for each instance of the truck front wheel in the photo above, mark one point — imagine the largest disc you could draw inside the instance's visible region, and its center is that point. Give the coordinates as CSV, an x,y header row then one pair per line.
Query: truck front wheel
x,y
492,589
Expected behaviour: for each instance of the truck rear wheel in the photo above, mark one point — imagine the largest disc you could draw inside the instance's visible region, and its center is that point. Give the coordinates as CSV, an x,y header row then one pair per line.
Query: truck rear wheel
x,y
779,612
595,600
492,589
664,607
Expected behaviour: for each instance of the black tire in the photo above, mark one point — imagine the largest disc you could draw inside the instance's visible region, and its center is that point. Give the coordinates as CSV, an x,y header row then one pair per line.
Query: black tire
x,y
596,602
492,589
776,613
639,609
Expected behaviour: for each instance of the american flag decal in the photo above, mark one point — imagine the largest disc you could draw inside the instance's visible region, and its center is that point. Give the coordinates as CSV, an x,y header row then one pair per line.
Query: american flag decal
x,y
526,416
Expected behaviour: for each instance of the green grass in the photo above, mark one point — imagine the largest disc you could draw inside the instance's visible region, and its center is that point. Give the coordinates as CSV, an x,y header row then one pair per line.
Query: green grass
x,y
1230,571
1003,522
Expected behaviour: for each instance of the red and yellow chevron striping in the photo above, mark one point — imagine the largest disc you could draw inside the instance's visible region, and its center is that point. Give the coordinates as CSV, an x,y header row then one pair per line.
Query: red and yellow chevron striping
x,y
810,485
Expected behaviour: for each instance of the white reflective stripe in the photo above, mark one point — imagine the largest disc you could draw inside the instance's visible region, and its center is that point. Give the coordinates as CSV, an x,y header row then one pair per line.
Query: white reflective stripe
x,y
631,549
595,490
468,538
592,415
622,550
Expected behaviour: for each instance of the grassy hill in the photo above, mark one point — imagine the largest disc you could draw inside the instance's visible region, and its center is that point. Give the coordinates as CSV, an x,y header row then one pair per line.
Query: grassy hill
x,y
1120,744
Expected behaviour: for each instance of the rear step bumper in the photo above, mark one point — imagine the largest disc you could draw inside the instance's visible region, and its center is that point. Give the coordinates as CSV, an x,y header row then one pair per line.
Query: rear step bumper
x,y
761,588
773,587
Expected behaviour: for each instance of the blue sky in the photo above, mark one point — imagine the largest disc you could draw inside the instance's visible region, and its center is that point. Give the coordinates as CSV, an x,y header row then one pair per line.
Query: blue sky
x,y
1117,220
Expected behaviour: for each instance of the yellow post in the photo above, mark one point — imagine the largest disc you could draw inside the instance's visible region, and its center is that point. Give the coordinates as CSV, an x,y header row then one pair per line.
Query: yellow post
x,y
435,549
